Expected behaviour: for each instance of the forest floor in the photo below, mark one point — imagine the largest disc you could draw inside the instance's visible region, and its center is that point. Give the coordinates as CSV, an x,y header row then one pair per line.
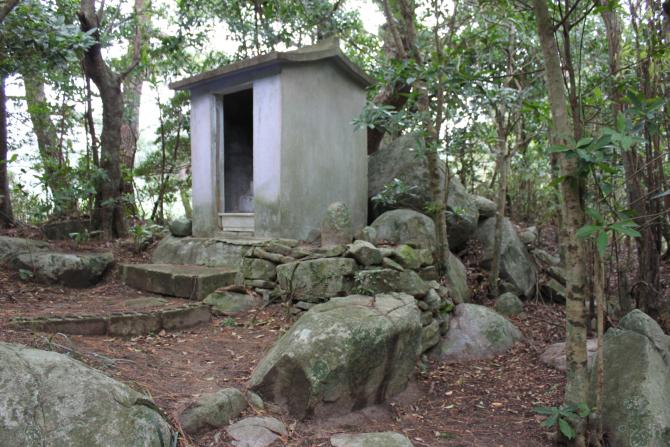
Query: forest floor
x,y
483,403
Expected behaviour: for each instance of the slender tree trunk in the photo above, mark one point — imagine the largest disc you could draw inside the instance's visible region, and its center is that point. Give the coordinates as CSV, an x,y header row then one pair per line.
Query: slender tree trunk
x,y
572,210
7,7
132,96
6,215
50,149
503,160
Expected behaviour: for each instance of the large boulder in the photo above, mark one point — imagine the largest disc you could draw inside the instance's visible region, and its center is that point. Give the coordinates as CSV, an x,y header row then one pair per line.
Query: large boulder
x,y
10,247
317,279
404,160
342,355
476,332
67,269
405,227
457,278
516,265
374,281
636,394
49,399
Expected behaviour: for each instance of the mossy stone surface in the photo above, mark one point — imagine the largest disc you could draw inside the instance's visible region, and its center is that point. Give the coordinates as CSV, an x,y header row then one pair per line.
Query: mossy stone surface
x,y
322,365
508,304
49,399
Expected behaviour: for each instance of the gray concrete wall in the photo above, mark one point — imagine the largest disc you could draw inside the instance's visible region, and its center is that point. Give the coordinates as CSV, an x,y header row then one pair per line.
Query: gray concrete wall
x,y
323,159
203,164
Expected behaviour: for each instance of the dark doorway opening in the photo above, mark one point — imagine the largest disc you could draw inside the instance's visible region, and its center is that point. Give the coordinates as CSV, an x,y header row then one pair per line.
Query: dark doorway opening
x,y
238,152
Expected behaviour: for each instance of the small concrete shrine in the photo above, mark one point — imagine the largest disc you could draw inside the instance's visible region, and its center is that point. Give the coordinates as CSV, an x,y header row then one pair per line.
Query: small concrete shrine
x,y
273,144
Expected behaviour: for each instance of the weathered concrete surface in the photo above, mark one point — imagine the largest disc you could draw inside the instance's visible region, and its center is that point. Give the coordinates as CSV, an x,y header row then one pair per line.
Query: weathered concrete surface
x,y
210,252
516,265
67,269
49,399
11,247
322,365
212,410
184,281
636,394
476,332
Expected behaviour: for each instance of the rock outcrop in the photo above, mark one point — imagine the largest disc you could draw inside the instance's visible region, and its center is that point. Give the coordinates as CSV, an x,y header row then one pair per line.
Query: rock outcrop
x,y
342,355
516,265
405,226
66,269
476,332
636,395
49,399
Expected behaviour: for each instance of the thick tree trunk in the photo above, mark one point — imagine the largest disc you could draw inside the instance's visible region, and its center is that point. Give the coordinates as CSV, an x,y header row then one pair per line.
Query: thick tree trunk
x,y
572,210
110,211
6,215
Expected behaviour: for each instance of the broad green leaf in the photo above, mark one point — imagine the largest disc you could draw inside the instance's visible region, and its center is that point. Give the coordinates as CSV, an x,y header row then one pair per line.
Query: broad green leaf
x,y
551,420
583,410
628,231
587,230
544,410
566,428
584,142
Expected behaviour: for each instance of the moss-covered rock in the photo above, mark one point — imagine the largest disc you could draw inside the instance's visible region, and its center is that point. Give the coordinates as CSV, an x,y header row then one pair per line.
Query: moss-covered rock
x,y
317,279
457,280
49,399
342,355
408,257
636,395
336,226
230,303
405,227
508,304
213,410
476,332
365,253
371,282
262,269
67,269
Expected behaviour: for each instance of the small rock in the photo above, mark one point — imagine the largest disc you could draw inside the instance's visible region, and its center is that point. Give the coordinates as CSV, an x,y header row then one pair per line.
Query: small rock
x,y
433,300
430,335
367,234
554,355
276,247
426,318
213,410
382,439
425,256
255,401
181,227
336,226
508,304
390,263
529,235
275,258
407,257
546,258
261,269
258,431
230,303
365,253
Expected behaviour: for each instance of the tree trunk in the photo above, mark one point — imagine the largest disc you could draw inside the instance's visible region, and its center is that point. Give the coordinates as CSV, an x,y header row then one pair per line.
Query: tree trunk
x,y
576,390
50,150
132,95
503,160
6,8
6,215
110,211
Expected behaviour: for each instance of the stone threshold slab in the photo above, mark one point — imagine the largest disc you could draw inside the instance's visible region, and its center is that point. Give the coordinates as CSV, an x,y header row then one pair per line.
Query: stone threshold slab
x,y
120,323
185,281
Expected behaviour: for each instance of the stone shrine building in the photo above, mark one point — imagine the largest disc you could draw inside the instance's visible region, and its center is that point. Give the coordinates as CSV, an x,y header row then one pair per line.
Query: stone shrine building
x,y
273,143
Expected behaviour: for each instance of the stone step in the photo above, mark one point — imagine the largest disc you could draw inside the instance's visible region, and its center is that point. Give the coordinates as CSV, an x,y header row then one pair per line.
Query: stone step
x,y
193,282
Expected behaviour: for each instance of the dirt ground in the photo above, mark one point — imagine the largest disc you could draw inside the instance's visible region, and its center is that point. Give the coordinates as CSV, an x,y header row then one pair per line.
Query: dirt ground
x,y
484,403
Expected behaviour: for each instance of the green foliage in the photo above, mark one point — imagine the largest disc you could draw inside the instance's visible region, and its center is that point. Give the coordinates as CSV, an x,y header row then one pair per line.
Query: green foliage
x,y
394,194
600,231
560,416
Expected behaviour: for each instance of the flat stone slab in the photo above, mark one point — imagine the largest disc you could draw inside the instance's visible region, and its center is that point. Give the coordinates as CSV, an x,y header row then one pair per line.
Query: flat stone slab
x,y
210,252
256,431
67,269
185,281
383,439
